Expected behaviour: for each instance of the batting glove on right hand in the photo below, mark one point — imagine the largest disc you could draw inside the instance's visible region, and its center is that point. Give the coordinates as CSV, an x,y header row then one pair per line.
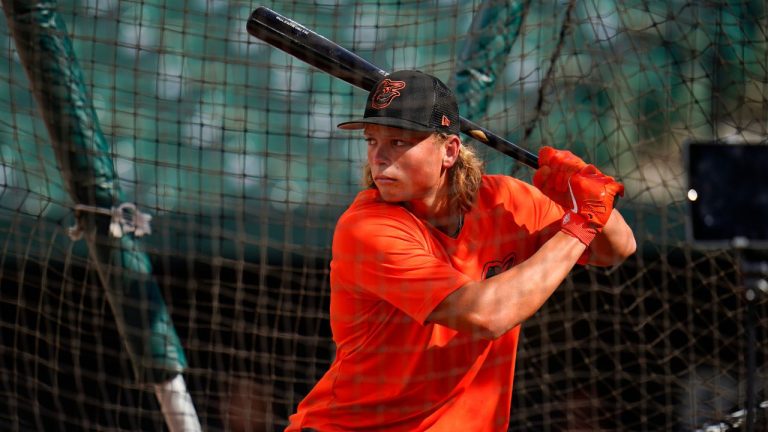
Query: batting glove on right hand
x,y
555,169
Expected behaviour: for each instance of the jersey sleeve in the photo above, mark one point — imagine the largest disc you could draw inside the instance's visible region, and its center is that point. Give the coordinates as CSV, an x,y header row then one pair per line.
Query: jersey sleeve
x,y
549,214
385,254
530,206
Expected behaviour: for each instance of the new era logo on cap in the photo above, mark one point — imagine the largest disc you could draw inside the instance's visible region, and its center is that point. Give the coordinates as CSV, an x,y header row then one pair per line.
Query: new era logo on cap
x,y
410,100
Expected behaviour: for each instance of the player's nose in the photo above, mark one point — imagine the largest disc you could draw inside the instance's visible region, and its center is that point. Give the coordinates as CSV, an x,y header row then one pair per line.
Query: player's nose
x,y
378,155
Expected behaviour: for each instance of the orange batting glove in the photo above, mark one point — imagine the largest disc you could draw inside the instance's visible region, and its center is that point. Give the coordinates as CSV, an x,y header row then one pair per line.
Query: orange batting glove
x,y
592,194
555,169
585,192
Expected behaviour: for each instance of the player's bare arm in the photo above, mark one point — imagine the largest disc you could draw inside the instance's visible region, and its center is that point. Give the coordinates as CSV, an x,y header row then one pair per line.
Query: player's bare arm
x,y
493,306
614,244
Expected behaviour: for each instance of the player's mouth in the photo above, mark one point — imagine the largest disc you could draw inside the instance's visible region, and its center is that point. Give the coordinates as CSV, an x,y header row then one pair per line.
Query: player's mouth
x,y
384,180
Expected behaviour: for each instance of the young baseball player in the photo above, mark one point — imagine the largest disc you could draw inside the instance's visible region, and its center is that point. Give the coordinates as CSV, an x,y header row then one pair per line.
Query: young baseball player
x,y
436,265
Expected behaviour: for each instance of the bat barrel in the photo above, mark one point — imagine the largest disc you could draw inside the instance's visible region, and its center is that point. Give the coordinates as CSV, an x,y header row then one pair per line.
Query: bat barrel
x,y
326,55
312,48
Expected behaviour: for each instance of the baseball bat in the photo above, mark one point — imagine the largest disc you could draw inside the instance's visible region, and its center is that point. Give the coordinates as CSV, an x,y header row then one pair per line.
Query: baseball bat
x,y
328,56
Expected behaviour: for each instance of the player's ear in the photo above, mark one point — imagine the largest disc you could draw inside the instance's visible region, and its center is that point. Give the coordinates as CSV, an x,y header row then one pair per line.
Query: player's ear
x,y
452,145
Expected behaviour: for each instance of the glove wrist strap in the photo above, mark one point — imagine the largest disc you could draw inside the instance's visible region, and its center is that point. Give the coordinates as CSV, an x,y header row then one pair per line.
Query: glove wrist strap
x,y
578,226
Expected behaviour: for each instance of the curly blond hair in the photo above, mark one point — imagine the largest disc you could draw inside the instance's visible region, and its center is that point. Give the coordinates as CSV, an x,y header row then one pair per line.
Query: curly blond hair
x,y
464,177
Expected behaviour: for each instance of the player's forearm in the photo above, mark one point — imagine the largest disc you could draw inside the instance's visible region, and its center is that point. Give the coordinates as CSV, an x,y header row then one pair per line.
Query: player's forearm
x,y
493,306
614,244
521,291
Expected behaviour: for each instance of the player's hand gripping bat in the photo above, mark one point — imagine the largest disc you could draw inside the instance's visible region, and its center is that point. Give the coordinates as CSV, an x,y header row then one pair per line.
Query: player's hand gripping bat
x,y
326,55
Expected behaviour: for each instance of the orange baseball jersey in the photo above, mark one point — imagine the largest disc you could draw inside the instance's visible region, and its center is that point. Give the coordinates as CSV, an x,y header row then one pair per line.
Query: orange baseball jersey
x,y
393,370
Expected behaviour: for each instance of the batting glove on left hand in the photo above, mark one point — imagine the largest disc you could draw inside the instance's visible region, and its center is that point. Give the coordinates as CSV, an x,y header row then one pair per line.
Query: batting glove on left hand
x,y
592,194
585,192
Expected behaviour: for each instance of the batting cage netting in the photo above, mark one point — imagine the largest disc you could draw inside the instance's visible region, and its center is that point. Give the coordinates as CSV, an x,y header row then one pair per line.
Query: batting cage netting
x,y
169,187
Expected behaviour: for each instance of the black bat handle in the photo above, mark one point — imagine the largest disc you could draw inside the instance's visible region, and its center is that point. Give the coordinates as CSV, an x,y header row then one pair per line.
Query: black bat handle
x,y
492,140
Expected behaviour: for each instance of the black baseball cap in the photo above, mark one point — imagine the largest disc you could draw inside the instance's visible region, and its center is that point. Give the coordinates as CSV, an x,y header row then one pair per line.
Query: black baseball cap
x,y
410,100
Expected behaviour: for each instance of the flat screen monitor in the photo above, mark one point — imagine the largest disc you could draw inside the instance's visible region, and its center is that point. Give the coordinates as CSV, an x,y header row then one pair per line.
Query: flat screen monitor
x,y
727,194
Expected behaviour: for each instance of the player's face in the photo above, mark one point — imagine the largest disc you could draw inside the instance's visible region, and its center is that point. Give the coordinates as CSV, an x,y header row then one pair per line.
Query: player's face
x,y
407,166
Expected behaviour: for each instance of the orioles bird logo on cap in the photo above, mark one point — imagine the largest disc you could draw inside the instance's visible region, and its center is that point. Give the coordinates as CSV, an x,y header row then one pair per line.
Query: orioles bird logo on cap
x,y
386,92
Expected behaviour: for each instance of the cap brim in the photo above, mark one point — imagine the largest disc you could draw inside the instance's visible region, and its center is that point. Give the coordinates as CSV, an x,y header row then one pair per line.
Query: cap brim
x,y
384,121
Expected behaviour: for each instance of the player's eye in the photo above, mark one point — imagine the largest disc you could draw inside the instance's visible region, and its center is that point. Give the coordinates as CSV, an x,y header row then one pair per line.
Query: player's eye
x,y
370,141
400,143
